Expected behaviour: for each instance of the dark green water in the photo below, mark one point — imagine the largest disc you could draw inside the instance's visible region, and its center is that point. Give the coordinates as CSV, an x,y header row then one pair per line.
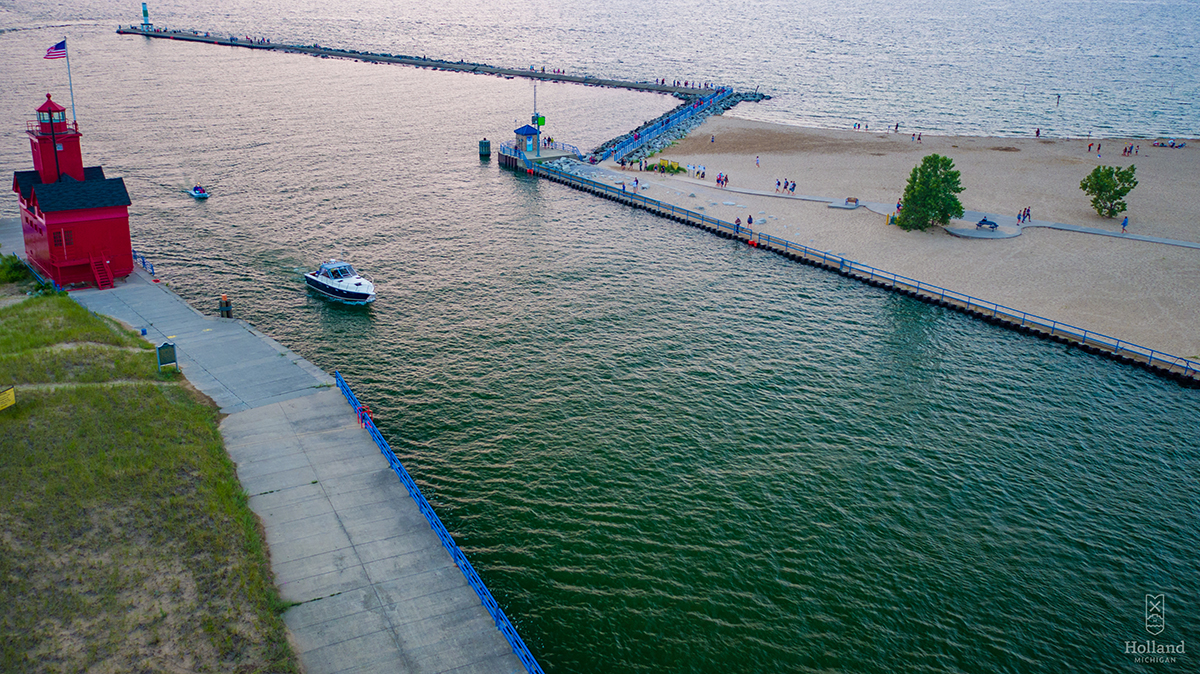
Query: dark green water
x,y
664,452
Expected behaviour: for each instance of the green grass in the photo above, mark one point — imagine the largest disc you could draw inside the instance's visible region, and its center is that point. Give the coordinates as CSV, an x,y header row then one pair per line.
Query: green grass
x,y
57,319
82,363
12,270
126,542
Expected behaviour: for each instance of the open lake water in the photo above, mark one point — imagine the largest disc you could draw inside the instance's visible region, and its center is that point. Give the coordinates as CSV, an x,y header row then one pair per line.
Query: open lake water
x,y
663,451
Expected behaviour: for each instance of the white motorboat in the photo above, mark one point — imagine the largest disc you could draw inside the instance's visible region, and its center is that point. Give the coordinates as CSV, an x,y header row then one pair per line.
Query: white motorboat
x,y
338,281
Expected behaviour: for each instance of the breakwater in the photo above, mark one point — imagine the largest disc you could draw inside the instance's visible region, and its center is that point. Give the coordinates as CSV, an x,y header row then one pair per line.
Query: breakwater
x,y
686,92
1177,368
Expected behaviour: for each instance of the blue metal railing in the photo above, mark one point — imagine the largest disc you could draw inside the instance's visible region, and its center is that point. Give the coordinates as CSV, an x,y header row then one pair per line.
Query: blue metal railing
x,y
624,148
844,265
510,149
502,623
566,147
41,279
141,259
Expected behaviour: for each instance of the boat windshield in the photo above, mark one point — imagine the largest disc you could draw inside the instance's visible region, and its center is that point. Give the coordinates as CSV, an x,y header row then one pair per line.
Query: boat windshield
x,y
340,272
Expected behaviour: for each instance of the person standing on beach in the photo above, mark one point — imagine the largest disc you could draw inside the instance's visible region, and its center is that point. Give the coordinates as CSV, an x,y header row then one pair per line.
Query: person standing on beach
x,y
777,186
1124,224
1090,147
756,161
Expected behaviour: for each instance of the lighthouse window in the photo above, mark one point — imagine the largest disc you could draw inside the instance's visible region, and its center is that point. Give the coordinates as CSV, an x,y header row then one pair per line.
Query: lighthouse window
x,y
59,237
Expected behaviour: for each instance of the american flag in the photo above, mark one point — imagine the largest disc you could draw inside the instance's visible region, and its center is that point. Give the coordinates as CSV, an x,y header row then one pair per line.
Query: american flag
x,y
58,51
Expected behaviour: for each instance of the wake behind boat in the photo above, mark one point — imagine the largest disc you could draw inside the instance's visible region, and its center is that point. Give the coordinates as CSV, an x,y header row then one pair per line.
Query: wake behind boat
x,y
338,281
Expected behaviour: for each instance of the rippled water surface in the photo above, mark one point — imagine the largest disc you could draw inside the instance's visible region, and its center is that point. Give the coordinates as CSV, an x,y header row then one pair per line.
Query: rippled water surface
x,y
664,452
996,67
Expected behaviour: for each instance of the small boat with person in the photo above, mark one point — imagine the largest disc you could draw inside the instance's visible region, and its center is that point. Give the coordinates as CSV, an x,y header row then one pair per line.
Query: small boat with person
x,y
338,281
198,192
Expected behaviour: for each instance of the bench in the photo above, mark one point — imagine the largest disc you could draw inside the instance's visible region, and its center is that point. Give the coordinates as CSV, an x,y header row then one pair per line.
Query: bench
x,y
986,223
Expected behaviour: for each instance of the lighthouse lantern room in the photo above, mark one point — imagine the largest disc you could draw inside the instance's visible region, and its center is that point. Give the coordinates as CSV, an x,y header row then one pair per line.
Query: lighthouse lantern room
x,y
75,221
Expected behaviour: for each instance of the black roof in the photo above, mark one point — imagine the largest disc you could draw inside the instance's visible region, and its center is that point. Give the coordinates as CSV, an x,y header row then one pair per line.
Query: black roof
x,y
69,194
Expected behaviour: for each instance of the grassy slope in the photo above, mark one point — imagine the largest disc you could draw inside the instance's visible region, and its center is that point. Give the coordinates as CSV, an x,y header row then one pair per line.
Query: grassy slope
x,y
126,543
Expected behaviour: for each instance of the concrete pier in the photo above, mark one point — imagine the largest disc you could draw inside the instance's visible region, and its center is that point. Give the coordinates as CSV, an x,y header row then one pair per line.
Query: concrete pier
x,y
416,61
376,589
1183,370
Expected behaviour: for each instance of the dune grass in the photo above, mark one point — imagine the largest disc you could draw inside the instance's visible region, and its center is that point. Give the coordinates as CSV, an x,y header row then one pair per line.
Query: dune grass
x,y
126,542
57,319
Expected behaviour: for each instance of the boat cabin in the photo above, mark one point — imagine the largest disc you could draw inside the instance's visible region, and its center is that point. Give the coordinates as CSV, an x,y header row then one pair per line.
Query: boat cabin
x,y
337,270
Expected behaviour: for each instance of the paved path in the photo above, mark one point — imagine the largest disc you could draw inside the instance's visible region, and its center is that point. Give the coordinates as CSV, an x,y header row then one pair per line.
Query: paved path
x,y
237,366
1008,228
378,591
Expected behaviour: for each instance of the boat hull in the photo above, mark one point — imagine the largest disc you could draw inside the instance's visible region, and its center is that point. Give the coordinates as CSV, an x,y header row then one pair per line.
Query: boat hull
x,y
338,294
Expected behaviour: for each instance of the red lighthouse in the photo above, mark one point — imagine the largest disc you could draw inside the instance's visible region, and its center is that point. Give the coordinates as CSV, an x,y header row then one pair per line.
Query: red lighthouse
x,y
75,221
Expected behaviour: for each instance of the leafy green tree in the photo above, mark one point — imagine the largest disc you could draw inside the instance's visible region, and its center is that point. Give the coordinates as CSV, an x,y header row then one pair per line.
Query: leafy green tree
x,y
1107,186
931,196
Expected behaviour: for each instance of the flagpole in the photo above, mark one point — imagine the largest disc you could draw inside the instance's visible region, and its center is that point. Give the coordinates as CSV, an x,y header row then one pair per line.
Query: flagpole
x,y
70,84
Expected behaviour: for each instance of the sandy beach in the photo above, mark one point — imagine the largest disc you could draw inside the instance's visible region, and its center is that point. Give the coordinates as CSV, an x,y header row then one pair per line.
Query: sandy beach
x,y
1142,292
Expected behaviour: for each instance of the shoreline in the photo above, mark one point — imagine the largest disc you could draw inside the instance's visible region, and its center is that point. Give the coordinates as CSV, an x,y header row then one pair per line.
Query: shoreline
x,y
1133,290
939,133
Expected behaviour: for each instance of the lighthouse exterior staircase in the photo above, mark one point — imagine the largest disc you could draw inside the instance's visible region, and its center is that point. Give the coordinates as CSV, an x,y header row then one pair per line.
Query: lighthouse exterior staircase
x,y
101,271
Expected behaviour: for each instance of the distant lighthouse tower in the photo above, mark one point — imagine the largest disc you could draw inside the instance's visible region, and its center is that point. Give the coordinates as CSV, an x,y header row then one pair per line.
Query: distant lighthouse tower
x,y
74,220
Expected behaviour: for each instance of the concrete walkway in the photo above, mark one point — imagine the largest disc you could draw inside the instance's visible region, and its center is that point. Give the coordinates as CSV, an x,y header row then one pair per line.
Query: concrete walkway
x,y
377,592
965,227
237,366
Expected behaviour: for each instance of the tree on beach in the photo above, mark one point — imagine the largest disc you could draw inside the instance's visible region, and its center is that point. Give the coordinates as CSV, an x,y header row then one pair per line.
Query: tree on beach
x,y
1107,186
931,196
